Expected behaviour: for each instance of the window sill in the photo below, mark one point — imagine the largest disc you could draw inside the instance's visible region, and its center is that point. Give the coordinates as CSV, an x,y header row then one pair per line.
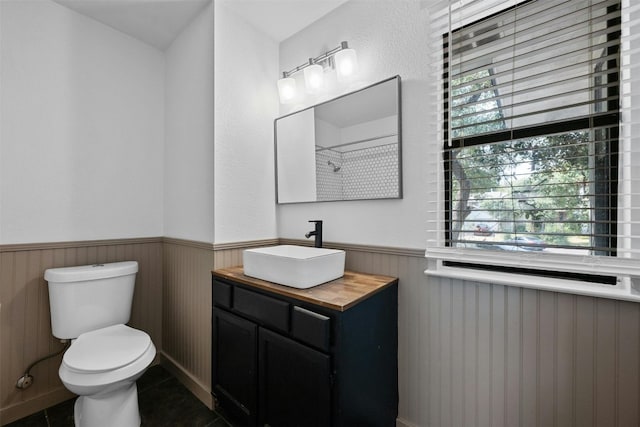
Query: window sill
x,y
626,288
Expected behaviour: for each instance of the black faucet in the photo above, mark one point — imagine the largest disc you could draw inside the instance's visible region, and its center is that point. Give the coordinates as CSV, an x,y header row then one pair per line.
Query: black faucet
x,y
317,232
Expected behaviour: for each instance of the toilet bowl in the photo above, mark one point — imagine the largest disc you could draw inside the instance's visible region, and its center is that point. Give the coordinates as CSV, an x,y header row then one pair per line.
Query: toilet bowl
x,y
90,305
102,367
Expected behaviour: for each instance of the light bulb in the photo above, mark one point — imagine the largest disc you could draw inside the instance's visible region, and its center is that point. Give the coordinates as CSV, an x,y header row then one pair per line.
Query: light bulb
x,y
313,78
346,65
287,89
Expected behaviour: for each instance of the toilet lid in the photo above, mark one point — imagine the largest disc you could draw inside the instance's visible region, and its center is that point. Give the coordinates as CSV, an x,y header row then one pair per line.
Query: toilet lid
x,y
106,349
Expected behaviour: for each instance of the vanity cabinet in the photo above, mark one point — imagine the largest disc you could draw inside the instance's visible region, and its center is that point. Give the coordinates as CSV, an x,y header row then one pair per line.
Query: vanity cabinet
x,y
324,356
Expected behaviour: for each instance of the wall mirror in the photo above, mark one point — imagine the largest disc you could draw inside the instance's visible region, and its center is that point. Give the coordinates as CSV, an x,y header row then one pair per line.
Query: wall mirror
x,y
347,148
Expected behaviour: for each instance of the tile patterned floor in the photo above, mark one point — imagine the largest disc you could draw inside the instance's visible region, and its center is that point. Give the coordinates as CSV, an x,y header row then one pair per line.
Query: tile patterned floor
x,y
163,402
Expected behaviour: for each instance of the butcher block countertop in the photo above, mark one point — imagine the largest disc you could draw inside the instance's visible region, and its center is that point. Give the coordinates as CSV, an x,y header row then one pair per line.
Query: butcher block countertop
x,y
339,294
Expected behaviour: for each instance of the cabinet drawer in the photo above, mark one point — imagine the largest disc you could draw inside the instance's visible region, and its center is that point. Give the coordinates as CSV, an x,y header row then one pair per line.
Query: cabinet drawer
x,y
270,311
222,294
310,327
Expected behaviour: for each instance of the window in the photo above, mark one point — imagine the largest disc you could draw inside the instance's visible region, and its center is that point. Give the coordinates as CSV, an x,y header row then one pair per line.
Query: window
x,y
536,173
532,113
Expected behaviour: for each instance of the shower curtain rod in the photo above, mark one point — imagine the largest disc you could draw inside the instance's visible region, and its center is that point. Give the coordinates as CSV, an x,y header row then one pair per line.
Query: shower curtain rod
x,y
355,142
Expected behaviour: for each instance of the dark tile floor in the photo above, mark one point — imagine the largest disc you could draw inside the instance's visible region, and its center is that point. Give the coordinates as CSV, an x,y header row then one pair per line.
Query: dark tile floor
x,y
163,402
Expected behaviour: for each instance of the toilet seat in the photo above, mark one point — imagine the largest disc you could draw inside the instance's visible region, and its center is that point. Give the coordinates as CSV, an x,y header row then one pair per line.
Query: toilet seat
x,y
106,349
83,376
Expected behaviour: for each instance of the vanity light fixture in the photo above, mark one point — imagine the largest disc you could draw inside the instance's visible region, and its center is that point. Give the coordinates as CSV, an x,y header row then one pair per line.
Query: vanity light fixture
x,y
342,58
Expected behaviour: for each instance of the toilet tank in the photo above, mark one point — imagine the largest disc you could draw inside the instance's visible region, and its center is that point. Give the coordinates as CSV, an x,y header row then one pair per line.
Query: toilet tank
x,y
90,297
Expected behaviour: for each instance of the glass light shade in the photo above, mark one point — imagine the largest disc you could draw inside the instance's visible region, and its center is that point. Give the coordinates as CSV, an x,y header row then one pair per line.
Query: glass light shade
x,y
346,64
286,89
313,78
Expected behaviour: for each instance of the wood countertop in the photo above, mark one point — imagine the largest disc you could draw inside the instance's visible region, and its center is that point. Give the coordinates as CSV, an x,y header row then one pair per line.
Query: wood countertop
x,y
339,294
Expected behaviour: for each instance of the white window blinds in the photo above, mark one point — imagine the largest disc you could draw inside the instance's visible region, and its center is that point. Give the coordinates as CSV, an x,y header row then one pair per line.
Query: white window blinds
x,y
537,157
535,64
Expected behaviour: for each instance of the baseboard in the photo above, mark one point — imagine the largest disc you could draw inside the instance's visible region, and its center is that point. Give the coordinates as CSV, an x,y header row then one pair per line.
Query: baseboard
x,y
401,422
190,382
31,406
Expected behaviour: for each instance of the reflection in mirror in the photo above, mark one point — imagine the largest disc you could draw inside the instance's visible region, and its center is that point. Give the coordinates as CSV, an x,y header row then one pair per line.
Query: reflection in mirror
x,y
344,149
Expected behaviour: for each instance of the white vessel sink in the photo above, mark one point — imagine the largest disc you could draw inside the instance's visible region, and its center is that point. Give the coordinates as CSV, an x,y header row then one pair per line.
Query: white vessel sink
x,y
296,266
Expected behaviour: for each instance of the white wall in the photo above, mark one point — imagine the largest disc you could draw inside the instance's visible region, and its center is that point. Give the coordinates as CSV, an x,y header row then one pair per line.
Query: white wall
x,y
246,103
390,38
81,132
189,119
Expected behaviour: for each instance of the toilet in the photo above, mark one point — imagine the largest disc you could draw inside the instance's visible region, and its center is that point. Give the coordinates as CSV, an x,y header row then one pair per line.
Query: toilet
x,y
91,305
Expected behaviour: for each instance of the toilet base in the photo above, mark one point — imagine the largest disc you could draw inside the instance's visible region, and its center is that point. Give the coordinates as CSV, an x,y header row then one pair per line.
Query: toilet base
x,y
117,408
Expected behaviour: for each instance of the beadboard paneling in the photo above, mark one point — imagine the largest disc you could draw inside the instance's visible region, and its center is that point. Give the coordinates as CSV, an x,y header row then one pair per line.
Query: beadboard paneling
x,y
227,258
186,313
470,354
475,354
25,325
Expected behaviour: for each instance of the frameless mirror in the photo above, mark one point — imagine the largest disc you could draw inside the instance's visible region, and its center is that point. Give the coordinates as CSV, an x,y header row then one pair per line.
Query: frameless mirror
x,y
348,148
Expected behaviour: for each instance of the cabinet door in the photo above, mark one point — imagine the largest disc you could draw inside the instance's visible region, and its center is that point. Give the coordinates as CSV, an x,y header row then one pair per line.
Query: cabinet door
x,y
295,383
234,366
